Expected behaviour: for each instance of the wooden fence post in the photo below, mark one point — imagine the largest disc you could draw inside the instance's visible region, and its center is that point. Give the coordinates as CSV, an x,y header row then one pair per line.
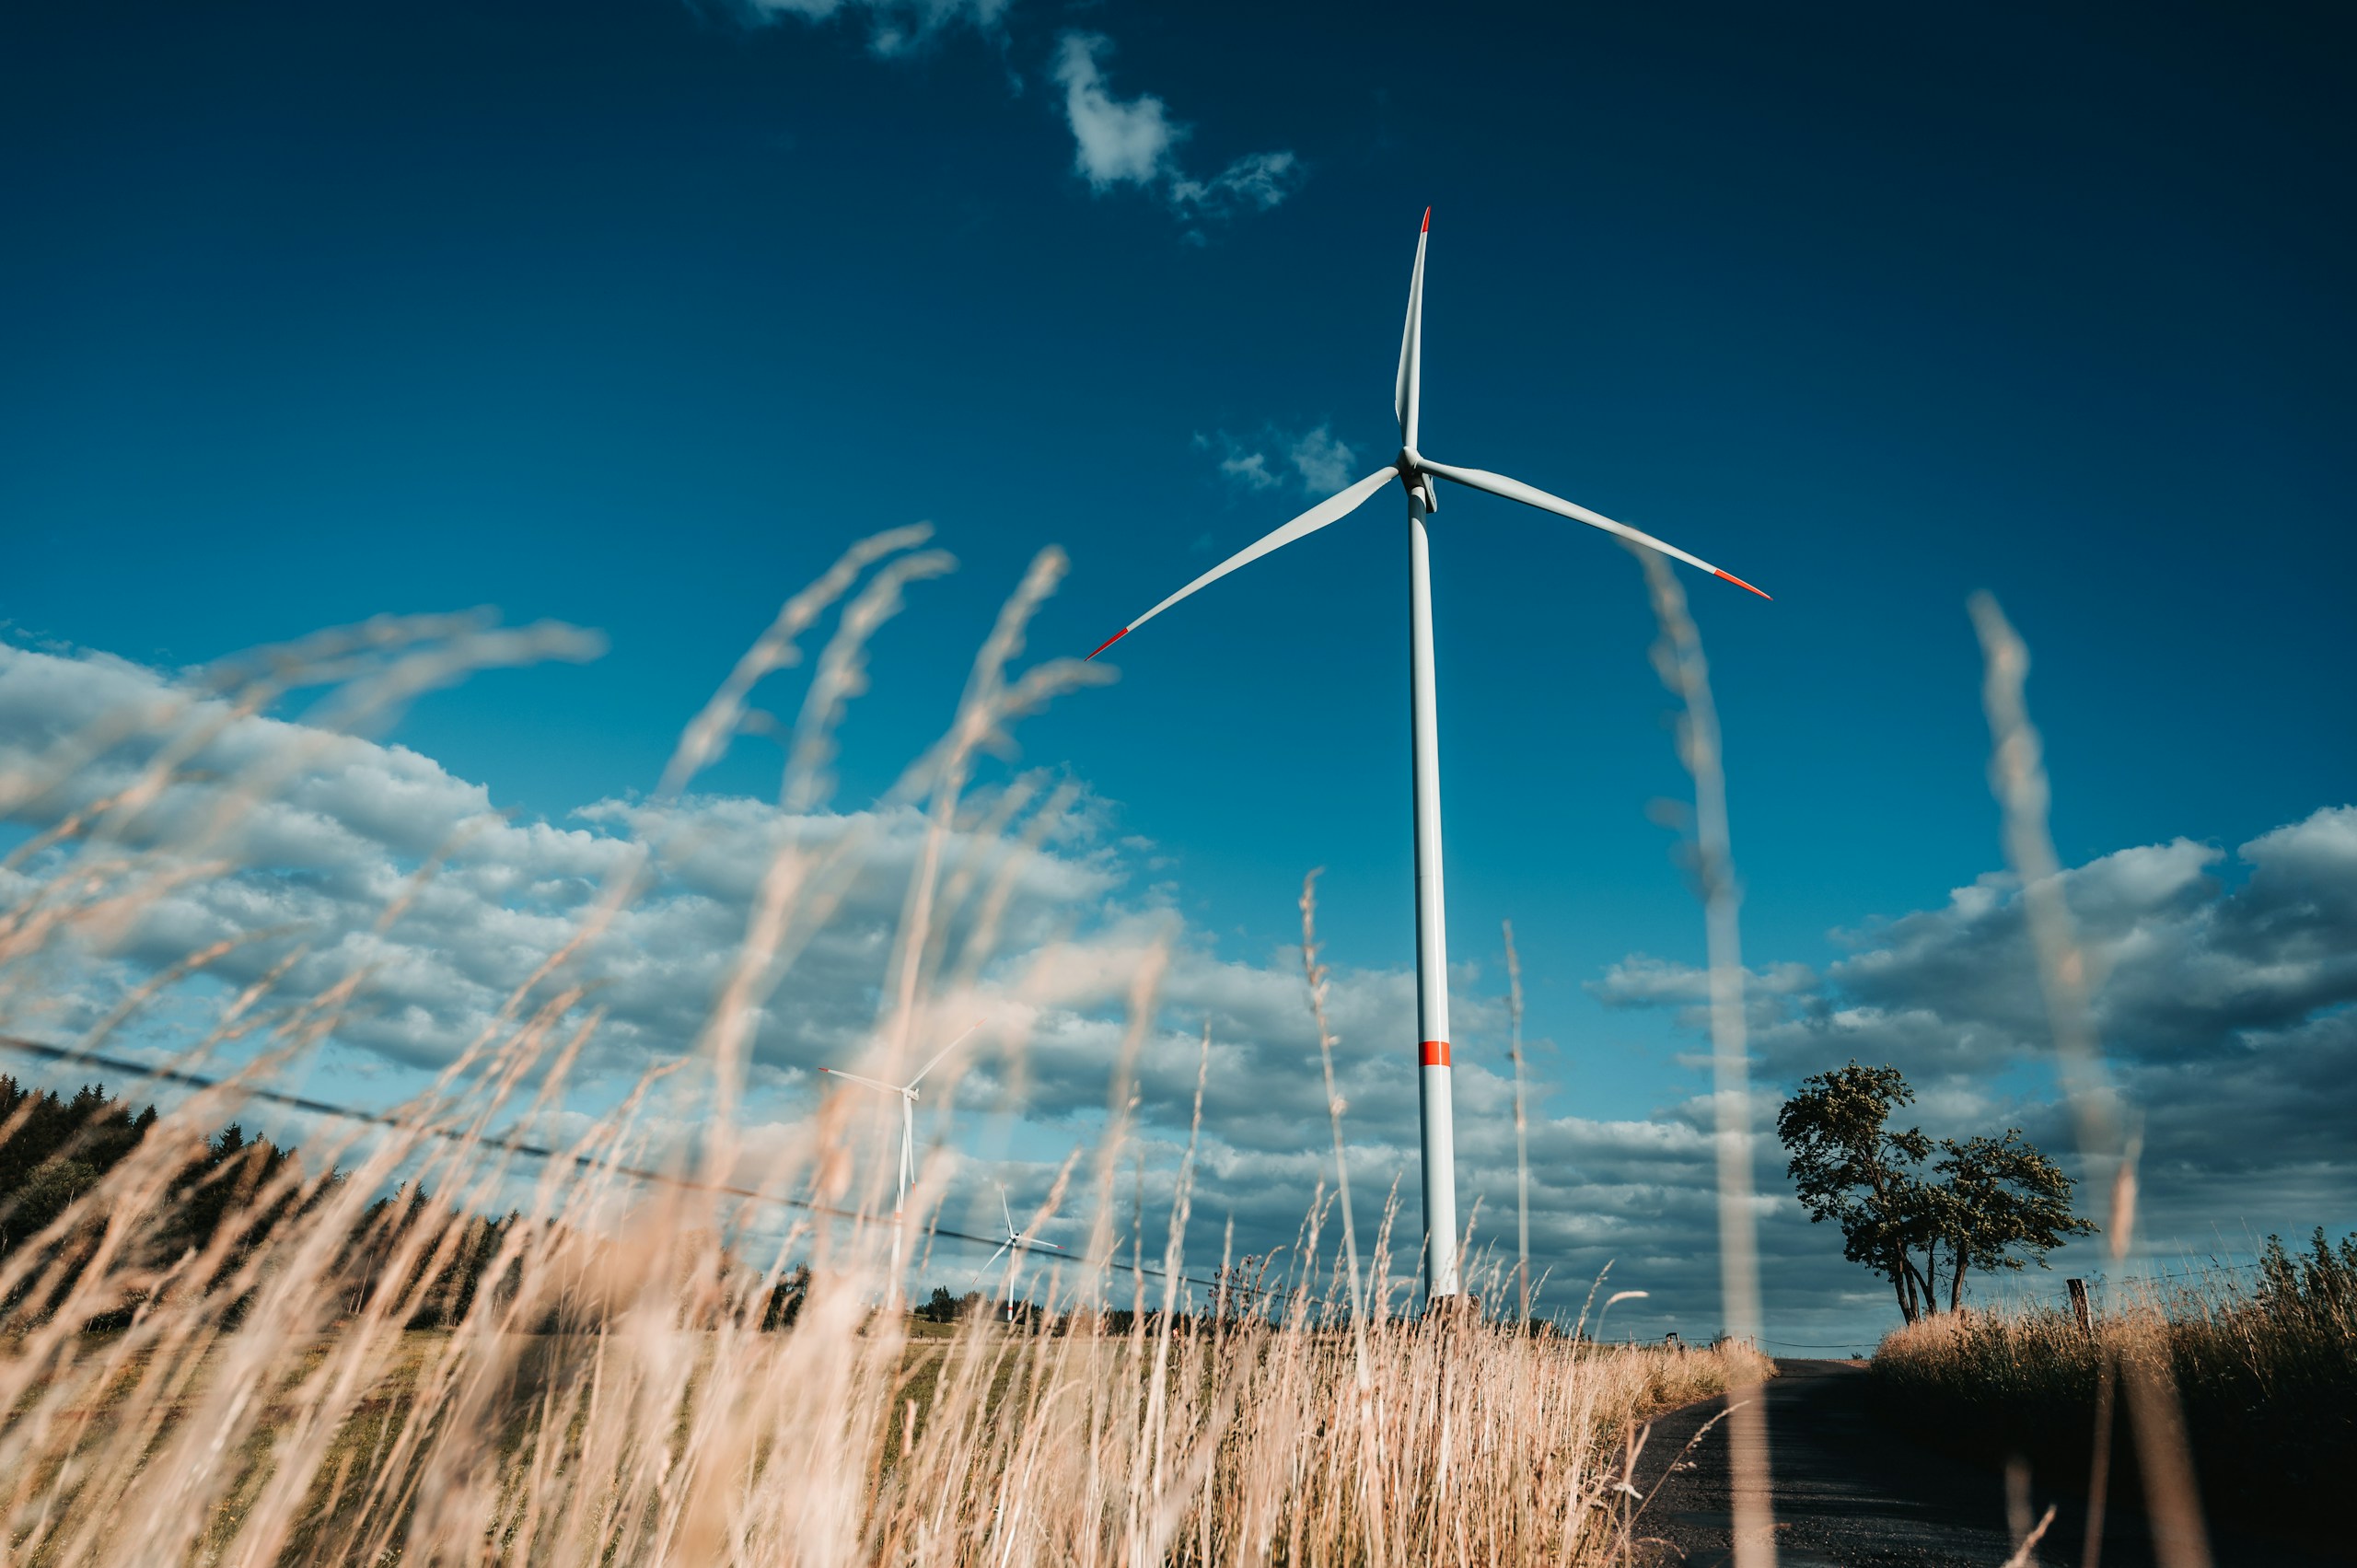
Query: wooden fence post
x,y
2079,1309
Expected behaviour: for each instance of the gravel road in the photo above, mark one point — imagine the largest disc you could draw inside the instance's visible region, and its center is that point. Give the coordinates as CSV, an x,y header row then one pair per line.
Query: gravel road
x,y
1850,1492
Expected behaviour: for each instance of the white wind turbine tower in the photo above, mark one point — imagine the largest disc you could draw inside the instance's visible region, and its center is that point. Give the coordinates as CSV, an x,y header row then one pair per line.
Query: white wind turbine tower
x,y
1415,473
908,1093
1016,1240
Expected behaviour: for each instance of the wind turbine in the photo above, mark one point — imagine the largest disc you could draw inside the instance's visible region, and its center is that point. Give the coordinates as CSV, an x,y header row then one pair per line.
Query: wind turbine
x,y
908,1093
1415,473
1016,1240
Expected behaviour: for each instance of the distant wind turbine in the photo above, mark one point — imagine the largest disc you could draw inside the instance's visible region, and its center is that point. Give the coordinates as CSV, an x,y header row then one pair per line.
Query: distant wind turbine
x,y
1015,1241
1416,472
908,1093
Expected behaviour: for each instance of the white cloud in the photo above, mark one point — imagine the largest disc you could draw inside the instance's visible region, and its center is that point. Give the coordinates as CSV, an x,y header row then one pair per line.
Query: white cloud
x,y
1249,470
1136,142
1323,461
894,26
1258,180
1319,462
1113,143
349,821
1246,466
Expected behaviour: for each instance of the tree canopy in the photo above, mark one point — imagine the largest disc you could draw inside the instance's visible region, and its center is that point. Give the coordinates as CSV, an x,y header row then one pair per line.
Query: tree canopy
x,y
1921,1214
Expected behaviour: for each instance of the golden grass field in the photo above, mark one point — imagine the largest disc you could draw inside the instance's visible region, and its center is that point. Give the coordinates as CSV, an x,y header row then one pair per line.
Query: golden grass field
x,y
834,1442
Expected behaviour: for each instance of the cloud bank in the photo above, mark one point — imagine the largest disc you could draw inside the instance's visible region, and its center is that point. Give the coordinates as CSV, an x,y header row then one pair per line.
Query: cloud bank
x,y
352,826
2227,1003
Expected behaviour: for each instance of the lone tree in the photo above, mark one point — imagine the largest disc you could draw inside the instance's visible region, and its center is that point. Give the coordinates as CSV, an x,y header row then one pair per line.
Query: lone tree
x,y
1917,1220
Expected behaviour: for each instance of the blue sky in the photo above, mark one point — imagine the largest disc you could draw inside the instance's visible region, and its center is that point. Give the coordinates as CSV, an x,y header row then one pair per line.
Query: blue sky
x,y
634,313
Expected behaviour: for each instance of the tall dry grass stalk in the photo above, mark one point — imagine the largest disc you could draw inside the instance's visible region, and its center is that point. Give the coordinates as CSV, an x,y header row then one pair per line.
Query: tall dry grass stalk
x,y
1314,973
706,1369
2018,776
1678,658
1521,1132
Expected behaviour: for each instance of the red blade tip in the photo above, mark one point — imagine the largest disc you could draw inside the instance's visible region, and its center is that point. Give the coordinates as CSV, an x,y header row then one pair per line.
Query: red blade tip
x,y
1125,632
1738,582
1428,221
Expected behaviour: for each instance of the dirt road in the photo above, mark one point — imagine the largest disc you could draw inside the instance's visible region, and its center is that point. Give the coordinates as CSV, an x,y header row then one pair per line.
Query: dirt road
x,y
1850,1493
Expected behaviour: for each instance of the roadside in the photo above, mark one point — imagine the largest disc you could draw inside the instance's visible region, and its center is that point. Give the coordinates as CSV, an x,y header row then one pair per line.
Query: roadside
x,y
1849,1492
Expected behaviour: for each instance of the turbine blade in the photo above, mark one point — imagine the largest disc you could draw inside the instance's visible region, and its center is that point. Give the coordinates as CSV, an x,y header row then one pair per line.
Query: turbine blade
x,y
1007,1211
989,1260
1407,391
1531,495
1332,509
856,1079
944,1052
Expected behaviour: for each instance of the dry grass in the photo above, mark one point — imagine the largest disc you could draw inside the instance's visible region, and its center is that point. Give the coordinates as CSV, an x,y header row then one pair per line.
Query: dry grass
x,y
620,1391
1678,659
841,1443
840,1439
2017,778
2267,1371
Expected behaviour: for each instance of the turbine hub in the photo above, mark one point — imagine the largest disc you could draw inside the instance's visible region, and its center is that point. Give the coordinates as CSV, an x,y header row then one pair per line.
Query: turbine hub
x,y
1411,464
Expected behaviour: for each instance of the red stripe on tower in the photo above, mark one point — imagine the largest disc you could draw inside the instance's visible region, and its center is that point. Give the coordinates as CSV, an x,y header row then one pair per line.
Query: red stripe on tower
x,y
1435,1053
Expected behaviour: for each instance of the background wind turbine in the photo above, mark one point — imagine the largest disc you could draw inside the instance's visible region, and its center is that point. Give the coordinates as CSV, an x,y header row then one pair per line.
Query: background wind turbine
x,y
1015,1241
1415,473
908,1093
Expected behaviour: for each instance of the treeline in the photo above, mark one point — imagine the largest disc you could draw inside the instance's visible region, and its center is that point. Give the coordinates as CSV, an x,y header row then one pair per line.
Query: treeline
x,y
55,1149
2266,1370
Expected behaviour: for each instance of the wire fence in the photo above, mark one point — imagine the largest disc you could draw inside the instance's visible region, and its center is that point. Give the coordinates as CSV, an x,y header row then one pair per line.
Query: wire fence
x,y
2209,1275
